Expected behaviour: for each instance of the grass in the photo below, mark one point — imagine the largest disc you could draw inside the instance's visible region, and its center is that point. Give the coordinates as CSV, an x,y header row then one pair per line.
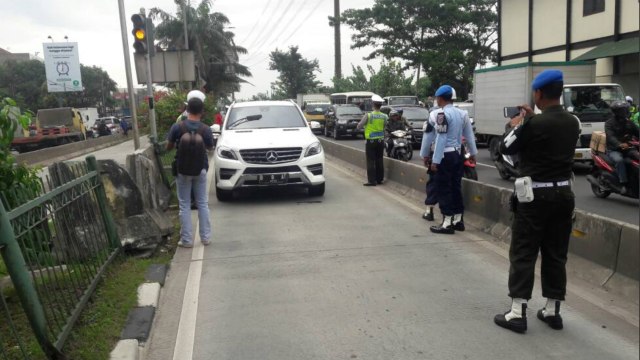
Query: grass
x,y
99,327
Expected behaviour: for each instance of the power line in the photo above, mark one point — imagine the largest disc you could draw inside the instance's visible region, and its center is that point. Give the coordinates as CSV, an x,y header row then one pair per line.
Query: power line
x,y
270,31
264,10
288,24
269,21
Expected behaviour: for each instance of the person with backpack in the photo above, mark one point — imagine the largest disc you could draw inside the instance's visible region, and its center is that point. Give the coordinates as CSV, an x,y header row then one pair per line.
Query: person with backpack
x,y
192,139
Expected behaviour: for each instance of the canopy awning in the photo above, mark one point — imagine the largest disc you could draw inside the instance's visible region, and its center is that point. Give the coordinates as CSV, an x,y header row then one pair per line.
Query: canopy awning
x,y
613,48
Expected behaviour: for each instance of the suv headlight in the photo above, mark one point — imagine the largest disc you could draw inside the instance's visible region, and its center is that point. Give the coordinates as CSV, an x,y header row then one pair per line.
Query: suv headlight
x,y
226,153
342,121
313,149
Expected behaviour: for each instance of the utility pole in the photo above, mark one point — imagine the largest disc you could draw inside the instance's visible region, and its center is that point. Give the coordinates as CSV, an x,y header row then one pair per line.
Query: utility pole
x,y
127,65
336,24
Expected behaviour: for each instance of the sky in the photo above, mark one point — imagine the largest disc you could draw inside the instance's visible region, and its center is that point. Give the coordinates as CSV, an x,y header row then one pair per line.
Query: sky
x,y
261,26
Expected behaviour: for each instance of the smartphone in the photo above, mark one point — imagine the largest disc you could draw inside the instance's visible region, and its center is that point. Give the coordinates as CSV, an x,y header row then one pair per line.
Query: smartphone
x,y
511,111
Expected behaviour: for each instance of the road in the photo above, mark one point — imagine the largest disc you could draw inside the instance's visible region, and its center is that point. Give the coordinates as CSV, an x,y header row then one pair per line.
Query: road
x,y
357,275
615,206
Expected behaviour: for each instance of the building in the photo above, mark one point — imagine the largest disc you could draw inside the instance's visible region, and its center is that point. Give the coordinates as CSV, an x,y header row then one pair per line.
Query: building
x,y
606,31
6,56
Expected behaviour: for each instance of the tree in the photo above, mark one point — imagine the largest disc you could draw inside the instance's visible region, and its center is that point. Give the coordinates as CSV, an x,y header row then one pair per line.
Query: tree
x,y
25,81
216,53
389,79
296,73
449,39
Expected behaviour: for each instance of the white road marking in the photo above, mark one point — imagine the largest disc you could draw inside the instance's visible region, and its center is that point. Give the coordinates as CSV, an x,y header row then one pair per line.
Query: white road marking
x,y
187,328
485,165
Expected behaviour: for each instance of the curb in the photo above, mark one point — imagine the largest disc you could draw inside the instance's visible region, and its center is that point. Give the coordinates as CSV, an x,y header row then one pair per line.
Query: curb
x,y
140,319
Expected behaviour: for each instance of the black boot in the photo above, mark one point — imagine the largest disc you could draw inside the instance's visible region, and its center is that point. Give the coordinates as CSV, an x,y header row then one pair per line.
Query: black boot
x,y
458,226
445,228
428,215
518,325
555,321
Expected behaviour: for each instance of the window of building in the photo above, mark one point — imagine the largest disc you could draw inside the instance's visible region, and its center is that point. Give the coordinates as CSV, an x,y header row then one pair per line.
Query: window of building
x,y
591,7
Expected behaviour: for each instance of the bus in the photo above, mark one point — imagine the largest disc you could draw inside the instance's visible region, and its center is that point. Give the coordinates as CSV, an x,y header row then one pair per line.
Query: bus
x,y
360,98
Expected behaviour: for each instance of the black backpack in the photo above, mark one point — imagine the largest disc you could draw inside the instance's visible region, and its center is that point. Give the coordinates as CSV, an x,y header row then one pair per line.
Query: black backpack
x,y
192,153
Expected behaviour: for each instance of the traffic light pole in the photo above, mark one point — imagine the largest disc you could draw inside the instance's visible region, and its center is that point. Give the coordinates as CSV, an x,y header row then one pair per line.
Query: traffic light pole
x,y
150,98
127,65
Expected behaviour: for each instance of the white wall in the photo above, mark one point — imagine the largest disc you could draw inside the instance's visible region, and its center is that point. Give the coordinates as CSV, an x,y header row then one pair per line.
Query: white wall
x,y
630,10
592,26
515,27
554,56
549,23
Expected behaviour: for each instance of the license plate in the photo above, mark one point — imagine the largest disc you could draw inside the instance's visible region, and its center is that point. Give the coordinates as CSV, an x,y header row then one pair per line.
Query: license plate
x,y
578,156
349,130
273,179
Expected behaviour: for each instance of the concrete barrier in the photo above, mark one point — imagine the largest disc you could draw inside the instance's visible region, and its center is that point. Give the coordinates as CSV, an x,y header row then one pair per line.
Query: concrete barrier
x,y
54,154
611,246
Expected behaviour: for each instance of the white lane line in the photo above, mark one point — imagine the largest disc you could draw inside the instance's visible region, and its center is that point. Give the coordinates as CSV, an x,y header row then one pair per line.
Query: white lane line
x,y
486,165
185,338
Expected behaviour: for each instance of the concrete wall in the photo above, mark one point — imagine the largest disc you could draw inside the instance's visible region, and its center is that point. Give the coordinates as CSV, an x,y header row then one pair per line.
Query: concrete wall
x,y
610,247
549,27
514,35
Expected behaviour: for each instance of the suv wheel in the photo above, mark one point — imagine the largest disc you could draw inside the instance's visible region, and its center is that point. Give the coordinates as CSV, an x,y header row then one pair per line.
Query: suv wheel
x,y
326,130
316,190
335,133
224,195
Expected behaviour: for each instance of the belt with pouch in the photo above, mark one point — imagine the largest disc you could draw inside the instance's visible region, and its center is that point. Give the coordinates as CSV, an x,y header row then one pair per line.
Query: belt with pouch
x,y
451,149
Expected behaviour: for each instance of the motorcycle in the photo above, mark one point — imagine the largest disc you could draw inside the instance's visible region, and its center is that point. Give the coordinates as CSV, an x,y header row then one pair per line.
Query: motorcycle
x,y
402,149
604,178
215,132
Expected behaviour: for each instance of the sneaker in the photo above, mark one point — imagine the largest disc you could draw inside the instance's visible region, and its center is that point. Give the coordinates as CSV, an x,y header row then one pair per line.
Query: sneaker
x,y
205,242
185,244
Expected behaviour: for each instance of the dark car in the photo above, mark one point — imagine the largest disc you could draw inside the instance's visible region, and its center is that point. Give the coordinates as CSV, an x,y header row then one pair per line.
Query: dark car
x,y
342,119
416,116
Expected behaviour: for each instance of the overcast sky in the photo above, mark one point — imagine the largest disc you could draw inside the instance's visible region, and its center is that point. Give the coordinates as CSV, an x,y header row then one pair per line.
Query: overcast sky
x,y
95,26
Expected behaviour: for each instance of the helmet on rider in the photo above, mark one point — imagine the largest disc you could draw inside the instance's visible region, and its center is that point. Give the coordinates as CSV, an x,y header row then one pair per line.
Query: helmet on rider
x,y
620,109
394,114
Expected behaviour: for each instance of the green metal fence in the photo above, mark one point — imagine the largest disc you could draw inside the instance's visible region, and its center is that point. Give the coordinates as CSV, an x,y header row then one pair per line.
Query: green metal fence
x,y
56,244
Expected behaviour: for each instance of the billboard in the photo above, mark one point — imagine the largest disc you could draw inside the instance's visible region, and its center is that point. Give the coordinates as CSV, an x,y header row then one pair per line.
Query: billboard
x,y
62,66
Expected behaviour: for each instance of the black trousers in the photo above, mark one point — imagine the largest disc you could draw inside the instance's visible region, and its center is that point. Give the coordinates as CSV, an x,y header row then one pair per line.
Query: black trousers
x,y
432,196
543,225
448,181
375,165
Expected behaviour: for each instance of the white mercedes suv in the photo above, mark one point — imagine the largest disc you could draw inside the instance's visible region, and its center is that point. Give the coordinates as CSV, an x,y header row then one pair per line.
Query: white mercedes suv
x,y
267,144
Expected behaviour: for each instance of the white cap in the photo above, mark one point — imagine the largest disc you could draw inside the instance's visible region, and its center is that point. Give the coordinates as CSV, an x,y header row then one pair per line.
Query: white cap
x,y
376,99
196,94
629,98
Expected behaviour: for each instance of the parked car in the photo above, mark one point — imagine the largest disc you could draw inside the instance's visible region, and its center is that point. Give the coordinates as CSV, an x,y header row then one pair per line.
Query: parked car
x,y
267,144
342,119
416,116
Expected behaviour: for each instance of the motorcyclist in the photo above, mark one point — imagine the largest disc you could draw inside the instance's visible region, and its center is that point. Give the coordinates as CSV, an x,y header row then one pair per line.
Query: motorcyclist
x,y
396,122
103,130
619,130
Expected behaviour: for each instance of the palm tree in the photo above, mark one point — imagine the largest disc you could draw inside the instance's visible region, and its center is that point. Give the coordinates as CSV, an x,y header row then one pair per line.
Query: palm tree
x,y
216,53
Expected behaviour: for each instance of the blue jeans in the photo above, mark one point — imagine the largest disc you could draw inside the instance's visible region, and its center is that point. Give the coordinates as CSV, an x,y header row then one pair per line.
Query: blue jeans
x,y
199,185
621,168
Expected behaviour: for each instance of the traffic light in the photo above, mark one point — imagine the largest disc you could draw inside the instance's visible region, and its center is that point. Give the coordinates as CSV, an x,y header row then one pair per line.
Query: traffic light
x,y
139,34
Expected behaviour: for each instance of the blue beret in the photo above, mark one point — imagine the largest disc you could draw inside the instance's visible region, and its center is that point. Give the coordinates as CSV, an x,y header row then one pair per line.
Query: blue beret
x,y
444,90
545,78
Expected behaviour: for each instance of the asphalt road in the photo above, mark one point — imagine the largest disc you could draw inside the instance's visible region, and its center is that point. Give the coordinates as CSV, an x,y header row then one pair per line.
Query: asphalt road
x,y
293,277
615,206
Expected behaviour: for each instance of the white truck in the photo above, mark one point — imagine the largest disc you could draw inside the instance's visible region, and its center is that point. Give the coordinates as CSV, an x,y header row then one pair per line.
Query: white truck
x,y
89,117
498,87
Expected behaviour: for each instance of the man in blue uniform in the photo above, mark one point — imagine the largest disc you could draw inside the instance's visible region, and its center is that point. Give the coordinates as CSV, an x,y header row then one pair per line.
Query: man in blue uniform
x,y
451,124
543,210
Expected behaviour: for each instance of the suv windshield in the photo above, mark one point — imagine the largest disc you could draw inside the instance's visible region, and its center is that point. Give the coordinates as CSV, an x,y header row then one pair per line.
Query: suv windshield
x,y
349,110
316,109
273,116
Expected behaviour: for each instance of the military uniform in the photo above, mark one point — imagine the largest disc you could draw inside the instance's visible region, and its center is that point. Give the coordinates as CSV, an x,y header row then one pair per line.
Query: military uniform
x,y
545,144
451,124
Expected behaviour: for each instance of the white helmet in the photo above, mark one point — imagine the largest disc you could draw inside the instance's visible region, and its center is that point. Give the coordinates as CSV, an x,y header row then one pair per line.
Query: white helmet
x,y
196,94
377,99
453,94
629,99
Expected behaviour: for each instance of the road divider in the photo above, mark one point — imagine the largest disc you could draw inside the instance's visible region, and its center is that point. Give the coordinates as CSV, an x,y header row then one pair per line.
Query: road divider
x,y
610,247
50,155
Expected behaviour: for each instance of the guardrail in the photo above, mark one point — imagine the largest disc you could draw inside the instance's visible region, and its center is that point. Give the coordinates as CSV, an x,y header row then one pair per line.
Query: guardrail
x,y
56,244
612,246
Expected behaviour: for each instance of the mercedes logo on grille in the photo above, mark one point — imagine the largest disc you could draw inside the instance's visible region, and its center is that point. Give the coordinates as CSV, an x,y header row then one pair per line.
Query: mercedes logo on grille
x,y
272,156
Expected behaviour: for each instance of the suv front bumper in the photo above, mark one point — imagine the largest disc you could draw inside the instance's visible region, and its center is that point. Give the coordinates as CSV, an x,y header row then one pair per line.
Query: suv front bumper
x,y
234,174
